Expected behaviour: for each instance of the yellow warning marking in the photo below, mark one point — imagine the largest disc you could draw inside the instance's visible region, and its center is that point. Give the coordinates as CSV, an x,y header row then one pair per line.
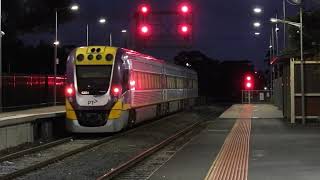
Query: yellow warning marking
x,y
232,160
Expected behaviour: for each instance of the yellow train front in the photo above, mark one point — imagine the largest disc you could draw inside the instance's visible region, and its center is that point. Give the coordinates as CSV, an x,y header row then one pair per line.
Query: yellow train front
x,y
109,89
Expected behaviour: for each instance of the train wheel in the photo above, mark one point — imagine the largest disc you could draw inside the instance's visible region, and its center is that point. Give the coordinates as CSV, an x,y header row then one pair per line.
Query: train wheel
x,y
131,119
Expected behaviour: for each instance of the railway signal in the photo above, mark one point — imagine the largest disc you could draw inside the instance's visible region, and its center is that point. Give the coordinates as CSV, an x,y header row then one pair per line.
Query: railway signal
x,y
249,82
184,29
248,86
144,30
143,13
184,8
144,9
164,28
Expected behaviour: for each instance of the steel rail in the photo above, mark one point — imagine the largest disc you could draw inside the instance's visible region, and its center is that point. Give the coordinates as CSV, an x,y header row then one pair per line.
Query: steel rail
x,y
102,141
138,158
34,149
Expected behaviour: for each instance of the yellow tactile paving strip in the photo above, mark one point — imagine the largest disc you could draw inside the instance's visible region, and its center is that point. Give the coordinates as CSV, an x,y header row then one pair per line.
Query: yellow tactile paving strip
x,y
232,160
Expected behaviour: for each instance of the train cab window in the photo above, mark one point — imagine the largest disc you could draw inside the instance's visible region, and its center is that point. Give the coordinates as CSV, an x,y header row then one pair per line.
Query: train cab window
x,y
93,80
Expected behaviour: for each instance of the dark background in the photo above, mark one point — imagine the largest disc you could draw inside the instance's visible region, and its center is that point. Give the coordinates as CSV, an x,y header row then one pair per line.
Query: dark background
x,y
224,47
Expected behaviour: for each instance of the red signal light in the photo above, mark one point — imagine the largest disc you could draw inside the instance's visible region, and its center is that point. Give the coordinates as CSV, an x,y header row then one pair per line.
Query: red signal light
x,y
144,9
184,8
249,82
184,29
249,85
144,30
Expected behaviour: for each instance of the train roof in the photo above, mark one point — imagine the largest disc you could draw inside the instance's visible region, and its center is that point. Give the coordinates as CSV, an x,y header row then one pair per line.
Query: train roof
x,y
151,58
148,57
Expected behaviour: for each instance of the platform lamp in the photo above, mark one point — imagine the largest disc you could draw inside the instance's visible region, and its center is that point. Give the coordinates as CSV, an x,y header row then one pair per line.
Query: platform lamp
x,y
1,57
56,43
300,26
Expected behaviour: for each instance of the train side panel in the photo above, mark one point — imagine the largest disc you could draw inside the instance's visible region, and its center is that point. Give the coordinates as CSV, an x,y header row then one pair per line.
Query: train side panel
x,y
146,88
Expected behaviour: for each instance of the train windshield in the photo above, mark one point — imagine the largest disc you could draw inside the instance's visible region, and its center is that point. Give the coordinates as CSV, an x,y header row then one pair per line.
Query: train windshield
x,y
93,80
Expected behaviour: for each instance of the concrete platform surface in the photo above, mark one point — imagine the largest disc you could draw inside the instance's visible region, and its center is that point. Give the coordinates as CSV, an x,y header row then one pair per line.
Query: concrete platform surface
x,y
264,111
194,160
277,150
24,116
16,128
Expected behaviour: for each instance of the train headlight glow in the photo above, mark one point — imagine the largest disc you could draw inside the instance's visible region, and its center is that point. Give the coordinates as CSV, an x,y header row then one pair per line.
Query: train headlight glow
x,y
132,85
116,90
125,57
69,91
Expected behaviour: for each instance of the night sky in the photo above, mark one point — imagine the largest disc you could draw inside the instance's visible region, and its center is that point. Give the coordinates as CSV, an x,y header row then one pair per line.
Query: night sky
x,y
223,29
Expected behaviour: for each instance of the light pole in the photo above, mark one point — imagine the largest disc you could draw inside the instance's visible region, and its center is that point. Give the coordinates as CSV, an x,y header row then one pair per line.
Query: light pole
x,y
300,26
277,37
271,69
125,37
56,44
257,10
100,21
256,24
104,21
284,25
87,33
1,57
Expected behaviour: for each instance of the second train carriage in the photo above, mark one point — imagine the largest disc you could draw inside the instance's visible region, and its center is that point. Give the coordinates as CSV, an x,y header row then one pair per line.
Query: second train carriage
x,y
111,88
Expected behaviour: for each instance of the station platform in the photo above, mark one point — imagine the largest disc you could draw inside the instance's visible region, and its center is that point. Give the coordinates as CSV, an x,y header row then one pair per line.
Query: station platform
x,y
25,116
18,127
247,142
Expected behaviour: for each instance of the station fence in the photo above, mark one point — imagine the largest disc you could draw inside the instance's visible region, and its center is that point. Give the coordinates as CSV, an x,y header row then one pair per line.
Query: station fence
x,y
26,91
256,96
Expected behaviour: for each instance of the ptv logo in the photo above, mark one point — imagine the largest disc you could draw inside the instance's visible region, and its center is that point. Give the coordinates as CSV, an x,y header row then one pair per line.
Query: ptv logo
x,y
91,103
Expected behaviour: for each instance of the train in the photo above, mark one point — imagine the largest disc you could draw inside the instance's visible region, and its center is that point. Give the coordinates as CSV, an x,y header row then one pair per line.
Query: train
x,y
109,89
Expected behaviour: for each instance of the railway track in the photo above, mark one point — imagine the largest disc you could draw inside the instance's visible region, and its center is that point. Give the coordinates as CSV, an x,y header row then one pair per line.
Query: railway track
x,y
106,157
119,171
15,165
147,153
20,163
23,152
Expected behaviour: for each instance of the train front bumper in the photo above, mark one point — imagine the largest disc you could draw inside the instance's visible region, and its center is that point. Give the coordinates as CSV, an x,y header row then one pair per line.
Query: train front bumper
x,y
112,125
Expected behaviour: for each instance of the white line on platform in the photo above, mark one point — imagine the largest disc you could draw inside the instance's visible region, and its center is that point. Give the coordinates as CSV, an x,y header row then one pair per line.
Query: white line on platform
x,y
28,115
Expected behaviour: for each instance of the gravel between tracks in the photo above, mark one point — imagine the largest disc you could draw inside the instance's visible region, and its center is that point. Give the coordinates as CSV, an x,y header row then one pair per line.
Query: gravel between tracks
x,y
95,162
